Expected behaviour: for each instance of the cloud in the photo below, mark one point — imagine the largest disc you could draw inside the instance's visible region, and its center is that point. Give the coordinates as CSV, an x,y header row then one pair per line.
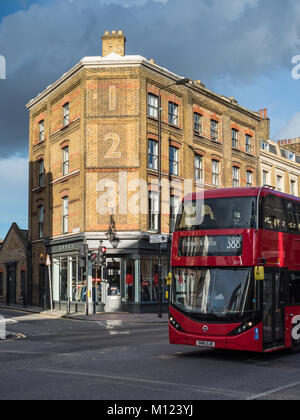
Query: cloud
x,y
291,129
201,39
13,192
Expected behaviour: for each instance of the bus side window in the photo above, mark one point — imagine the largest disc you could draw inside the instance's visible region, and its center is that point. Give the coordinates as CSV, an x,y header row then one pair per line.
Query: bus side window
x,y
297,217
291,217
273,214
294,288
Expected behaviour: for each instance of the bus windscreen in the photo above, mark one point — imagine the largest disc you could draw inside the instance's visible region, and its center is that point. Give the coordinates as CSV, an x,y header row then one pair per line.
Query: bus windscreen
x,y
214,292
217,213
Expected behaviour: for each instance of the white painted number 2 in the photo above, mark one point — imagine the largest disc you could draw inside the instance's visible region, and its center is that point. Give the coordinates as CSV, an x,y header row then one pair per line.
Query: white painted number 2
x,y
112,153
296,328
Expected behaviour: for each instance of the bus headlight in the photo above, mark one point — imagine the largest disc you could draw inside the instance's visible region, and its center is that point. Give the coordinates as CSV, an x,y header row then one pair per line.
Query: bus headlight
x,y
242,328
174,323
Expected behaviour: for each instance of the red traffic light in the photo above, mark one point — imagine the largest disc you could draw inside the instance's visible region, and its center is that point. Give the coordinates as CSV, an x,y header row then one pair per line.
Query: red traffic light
x,y
103,250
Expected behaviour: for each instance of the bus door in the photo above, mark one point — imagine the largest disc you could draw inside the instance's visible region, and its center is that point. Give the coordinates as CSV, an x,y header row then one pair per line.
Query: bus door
x,y
273,308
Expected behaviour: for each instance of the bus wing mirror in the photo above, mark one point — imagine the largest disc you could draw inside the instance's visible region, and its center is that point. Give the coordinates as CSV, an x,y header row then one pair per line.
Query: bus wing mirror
x,y
259,273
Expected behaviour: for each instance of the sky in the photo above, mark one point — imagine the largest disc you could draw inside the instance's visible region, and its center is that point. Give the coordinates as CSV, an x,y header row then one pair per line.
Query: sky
x,y
249,49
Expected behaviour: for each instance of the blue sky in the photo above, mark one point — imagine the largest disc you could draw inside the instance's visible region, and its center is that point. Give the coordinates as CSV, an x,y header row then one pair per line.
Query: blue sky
x,y
240,48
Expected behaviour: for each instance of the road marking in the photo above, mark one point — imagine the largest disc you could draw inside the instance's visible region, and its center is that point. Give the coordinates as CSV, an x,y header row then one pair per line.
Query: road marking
x,y
183,387
118,332
273,391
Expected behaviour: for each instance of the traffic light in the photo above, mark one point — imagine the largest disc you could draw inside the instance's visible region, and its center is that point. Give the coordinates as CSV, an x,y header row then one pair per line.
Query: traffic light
x,y
103,250
82,255
101,259
94,258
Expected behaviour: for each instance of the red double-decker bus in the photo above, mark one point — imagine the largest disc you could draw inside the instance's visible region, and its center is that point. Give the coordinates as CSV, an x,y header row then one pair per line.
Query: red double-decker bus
x,y
236,271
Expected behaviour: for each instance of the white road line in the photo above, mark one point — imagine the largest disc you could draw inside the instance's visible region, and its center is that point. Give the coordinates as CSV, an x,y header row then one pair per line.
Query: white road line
x,y
183,387
273,391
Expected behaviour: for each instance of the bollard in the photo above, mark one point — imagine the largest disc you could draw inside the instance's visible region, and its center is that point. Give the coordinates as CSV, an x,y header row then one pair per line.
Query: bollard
x,y
2,328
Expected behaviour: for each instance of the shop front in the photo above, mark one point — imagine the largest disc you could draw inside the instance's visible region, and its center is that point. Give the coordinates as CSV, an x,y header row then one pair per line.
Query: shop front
x,y
129,282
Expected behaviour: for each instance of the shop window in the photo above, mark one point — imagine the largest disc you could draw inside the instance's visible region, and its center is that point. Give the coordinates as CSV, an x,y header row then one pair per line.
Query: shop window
x,y
130,281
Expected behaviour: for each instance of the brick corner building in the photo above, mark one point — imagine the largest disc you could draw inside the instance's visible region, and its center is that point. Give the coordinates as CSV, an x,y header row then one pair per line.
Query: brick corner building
x,y
15,280
94,149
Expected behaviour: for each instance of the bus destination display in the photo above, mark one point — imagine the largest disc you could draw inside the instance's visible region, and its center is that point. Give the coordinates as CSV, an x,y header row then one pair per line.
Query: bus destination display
x,y
208,246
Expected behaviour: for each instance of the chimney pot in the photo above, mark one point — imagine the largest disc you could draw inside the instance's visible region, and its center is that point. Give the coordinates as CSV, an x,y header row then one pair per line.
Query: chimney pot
x,y
113,42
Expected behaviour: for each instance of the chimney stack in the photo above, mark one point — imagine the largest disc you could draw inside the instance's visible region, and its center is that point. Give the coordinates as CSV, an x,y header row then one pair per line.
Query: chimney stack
x,y
113,42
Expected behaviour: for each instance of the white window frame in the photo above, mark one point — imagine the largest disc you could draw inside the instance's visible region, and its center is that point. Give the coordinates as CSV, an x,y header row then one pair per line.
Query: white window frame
x,y
174,160
153,211
40,222
235,138
173,113
215,169
41,173
153,101
41,131
66,162
66,114
235,176
153,154
249,177
198,167
214,130
197,123
65,221
174,206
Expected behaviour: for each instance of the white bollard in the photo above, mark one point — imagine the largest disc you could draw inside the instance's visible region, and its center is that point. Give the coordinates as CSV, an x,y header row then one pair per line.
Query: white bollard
x,y
2,328
2,67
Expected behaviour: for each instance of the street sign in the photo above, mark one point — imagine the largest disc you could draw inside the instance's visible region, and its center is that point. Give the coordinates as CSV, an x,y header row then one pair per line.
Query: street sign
x,y
158,239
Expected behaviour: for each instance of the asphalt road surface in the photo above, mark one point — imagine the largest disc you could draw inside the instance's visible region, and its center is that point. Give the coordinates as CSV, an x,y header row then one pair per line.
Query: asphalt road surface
x,y
56,359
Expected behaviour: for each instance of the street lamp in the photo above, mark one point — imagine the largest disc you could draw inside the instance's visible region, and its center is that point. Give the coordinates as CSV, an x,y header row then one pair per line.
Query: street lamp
x,y
111,235
179,82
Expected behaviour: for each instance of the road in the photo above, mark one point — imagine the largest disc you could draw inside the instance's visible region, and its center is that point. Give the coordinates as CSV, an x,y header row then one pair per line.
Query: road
x,y
58,359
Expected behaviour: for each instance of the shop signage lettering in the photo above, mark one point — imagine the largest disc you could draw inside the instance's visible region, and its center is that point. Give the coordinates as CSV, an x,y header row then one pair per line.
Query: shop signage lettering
x,y
65,248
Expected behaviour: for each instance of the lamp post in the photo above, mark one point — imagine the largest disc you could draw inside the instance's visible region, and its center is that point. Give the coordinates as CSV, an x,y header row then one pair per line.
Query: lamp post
x,y
178,83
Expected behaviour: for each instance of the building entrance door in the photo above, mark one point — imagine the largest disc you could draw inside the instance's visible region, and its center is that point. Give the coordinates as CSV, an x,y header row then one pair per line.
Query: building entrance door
x,y
113,276
11,286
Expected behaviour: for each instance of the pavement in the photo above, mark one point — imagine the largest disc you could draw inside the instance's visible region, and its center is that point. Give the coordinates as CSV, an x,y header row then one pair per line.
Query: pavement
x,y
130,318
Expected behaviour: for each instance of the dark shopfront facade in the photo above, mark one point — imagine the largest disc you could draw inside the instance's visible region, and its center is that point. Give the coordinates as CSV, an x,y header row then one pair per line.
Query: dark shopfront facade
x,y
130,283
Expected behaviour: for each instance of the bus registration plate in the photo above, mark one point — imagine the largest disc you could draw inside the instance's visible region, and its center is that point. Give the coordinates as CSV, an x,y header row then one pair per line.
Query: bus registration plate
x,y
210,344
